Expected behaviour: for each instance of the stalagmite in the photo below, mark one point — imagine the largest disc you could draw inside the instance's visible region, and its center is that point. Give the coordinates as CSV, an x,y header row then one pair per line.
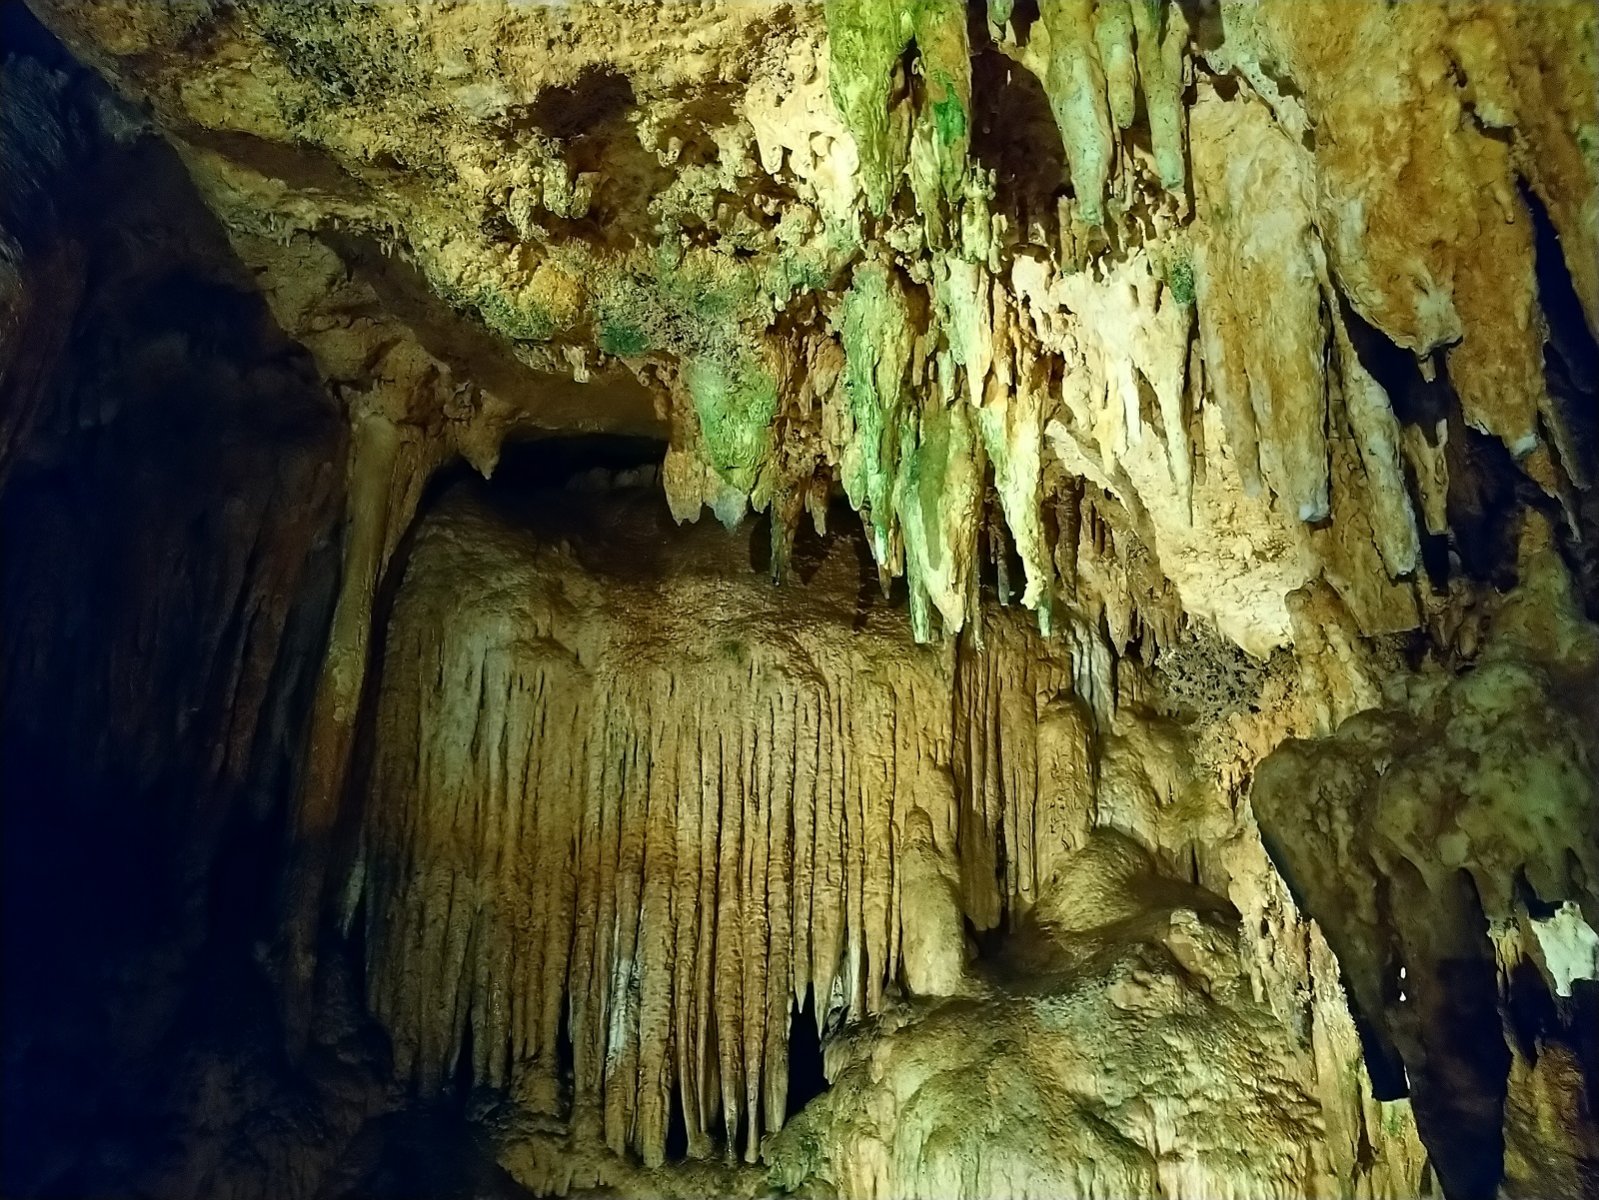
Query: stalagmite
x,y
934,944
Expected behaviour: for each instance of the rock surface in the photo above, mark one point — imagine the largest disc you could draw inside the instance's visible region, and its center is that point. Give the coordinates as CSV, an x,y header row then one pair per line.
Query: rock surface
x,y
829,269
1451,842
1203,375
624,792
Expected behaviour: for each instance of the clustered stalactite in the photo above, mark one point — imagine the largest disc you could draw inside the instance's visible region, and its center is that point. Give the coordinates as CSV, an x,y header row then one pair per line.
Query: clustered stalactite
x,y
671,835
1124,346
976,366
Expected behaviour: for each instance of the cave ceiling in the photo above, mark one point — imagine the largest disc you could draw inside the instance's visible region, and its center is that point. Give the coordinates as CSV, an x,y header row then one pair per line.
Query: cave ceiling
x,y
984,270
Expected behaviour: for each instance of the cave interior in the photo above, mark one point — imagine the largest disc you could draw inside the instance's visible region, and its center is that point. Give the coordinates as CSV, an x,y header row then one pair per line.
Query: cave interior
x,y
838,598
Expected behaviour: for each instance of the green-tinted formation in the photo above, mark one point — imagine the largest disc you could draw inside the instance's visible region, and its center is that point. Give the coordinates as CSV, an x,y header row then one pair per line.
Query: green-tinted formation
x,y
920,431
942,134
1075,83
877,346
1162,44
923,418
939,499
1097,54
1180,278
868,276
867,39
1091,56
735,405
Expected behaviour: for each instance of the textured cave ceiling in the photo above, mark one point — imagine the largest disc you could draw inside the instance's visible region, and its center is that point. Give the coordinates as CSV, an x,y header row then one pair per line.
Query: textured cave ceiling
x,y
841,597
1183,265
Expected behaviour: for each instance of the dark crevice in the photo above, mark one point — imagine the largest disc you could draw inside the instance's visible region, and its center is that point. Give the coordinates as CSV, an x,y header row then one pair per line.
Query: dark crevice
x,y
598,97
1416,400
565,1055
676,1127
1571,423
1015,136
1488,491
807,1079
1571,354
1023,14
1488,497
1435,556
462,1076
540,463
1532,1016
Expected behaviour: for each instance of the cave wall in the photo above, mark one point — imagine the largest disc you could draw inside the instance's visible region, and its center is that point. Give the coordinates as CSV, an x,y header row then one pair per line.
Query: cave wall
x,y
1448,840
169,499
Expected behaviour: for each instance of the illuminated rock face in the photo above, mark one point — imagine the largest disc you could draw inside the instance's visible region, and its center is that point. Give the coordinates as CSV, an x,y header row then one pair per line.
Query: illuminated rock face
x,y
1117,1051
813,231
1451,844
632,808
1215,386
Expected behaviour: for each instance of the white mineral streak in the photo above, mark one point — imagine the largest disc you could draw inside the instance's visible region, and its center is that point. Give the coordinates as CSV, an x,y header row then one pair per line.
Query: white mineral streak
x,y
1568,946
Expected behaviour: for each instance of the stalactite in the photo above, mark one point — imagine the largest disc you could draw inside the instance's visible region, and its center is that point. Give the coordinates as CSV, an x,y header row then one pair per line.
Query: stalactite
x,y
387,469
1075,83
730,822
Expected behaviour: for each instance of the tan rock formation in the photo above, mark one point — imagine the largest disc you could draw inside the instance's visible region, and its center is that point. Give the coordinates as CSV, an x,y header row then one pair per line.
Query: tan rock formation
x,y
1452,843
619,778
1204,375
1120,1055
717,219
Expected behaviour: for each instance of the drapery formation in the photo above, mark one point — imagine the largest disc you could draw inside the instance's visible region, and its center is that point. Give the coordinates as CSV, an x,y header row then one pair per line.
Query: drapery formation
x,y
601,815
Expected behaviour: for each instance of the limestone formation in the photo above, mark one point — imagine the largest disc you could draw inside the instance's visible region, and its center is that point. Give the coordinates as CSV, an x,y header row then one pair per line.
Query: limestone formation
x,y
671,806
1099,1072
1452,842
930,598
